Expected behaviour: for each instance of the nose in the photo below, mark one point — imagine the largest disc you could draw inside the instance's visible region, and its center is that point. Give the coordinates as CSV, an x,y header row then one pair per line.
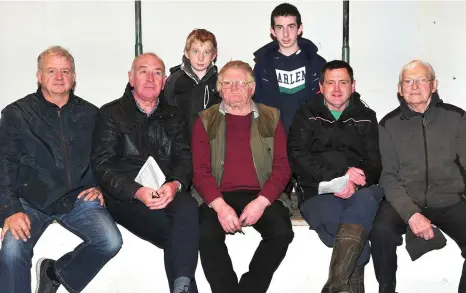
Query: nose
x,y
285,32
59,75
415,84
336,88
201,57
150,76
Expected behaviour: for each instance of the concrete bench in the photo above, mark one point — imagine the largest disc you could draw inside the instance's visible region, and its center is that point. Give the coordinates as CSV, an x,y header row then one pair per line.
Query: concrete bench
x,y
138,267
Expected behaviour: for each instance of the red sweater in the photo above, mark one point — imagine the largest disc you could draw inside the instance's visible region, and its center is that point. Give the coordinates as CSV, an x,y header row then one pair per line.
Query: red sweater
x,y
239,172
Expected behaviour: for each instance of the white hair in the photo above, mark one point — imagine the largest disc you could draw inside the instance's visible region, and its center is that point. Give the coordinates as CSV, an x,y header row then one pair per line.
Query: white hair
x,y
413,63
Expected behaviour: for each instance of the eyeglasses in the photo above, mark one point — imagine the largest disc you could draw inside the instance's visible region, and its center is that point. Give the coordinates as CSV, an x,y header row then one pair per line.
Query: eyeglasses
x,y
239,83
411,82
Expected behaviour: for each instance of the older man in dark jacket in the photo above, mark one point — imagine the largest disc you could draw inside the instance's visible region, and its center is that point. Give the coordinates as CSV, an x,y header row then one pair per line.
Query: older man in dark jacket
x,y
129,130
336,135
46,176
423,147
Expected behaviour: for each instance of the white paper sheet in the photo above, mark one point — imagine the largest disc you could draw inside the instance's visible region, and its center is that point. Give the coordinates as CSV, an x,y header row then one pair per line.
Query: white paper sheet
x,y
333,186
150,174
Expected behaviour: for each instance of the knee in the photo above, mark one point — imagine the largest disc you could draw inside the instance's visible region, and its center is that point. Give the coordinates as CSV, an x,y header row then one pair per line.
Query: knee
x,y
110,242
14,251
370,198
282,234
285,236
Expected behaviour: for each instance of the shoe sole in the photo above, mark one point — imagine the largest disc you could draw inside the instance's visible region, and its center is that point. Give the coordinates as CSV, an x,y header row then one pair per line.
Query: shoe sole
x,y
39,263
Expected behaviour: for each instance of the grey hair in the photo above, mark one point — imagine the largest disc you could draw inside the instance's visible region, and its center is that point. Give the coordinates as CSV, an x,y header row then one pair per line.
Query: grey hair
x,y
413,63
57,51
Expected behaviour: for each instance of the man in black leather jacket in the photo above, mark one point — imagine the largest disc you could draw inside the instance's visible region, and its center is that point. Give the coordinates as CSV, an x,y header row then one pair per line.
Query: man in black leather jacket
x,y
128,131
46,176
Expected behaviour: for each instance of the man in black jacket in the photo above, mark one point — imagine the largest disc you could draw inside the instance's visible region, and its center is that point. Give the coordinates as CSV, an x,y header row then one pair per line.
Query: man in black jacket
x,y
336,136
423,147
129,130
46,176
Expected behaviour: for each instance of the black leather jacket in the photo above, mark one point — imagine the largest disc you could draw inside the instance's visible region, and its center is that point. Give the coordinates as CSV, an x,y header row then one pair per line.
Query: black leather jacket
x,y
125,137
45,153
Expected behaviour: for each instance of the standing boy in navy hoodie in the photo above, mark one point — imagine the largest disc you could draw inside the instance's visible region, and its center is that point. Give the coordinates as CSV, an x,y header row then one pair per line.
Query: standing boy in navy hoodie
x,y
192,85
287,70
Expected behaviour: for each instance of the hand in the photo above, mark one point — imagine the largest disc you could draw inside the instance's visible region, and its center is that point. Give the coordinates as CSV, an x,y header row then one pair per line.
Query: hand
x,y
357,176
421,226
226,216
19,225
164,195
92,194
253,211
146,195
347,192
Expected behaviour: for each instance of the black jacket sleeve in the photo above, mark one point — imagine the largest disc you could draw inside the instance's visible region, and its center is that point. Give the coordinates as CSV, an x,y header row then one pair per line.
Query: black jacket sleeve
x,y
371,163
309,166
105,159
10,154
181,166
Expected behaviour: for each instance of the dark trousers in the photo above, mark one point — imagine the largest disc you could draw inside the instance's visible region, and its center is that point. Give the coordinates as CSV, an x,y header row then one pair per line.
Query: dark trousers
x,y
276,231
175,229
389,227
324,213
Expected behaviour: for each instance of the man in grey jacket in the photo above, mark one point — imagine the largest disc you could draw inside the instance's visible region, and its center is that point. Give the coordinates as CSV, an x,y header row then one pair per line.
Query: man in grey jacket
x,y
423,148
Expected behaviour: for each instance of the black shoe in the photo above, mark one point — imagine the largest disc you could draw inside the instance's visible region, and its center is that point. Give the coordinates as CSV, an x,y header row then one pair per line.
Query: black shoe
x,y
44,283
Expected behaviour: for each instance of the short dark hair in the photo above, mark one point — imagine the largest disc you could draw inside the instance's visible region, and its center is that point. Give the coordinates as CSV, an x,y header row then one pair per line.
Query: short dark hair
x,y
285,9
336,64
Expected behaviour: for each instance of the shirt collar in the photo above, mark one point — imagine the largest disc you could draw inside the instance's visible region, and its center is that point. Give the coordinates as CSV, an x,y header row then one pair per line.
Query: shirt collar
x,y
142,109
254,110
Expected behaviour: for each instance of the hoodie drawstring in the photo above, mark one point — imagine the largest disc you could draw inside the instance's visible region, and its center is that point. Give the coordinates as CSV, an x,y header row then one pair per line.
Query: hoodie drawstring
x,y
206,94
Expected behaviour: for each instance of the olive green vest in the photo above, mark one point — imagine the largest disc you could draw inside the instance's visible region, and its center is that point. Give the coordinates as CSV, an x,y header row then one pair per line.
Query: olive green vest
x,y
262,141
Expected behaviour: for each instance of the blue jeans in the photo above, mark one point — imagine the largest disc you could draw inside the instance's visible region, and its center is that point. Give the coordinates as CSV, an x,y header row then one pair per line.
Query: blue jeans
x,y
88,220
325,212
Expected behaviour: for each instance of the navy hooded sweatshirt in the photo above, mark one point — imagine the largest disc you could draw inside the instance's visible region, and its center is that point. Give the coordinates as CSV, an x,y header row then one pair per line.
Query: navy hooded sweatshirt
x,y
287,82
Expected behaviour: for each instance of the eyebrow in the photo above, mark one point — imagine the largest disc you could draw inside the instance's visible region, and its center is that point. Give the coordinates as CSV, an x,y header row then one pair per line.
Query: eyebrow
x,y
64,68
145,67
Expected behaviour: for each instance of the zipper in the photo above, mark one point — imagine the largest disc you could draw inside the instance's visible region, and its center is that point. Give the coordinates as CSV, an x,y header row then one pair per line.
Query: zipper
x,y
426,159
65,151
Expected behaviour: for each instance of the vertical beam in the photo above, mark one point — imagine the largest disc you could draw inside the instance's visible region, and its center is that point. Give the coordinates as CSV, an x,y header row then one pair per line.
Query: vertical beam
x,y
346,48
137,20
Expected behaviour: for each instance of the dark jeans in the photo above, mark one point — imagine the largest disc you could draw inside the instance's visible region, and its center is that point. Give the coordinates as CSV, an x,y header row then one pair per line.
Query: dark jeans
x,y
175,229
276,231
325,212
389,227
89,221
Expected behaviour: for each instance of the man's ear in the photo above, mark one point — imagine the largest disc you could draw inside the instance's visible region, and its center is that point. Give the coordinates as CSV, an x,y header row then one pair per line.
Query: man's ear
x,y
130,78
272,31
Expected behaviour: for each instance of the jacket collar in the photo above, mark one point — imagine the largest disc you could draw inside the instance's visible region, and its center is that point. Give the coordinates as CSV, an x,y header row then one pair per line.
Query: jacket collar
x,y
40,96
407,112
130,102
317,103
305,45
185,66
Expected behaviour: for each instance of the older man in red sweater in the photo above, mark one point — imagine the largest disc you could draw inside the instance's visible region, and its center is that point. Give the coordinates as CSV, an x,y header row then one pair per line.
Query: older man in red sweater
x,y
240,170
